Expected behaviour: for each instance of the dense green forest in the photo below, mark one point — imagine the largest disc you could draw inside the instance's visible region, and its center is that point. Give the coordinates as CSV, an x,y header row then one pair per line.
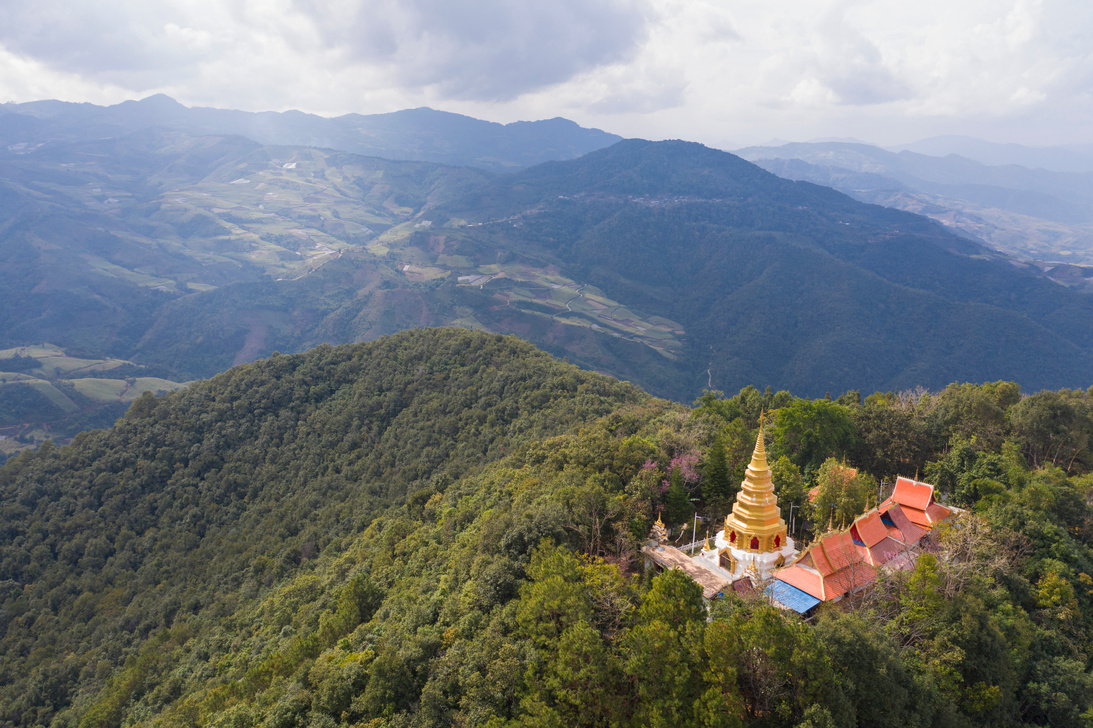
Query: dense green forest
x,y
441,528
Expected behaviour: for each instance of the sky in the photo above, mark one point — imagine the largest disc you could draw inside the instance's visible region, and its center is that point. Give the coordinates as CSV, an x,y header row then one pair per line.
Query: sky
x,y
726,73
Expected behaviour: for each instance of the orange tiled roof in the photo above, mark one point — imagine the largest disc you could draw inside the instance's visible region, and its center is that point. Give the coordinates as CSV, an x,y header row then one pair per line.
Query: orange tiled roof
x,y
905,530
835,564
912,493
885,551
819,560
937,513
839,549
849,579
917,517
804,579
869,529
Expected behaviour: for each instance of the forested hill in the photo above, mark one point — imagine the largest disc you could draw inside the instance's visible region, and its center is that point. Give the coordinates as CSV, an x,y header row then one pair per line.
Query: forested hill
x,y
206,496
440,528
783,283
669,264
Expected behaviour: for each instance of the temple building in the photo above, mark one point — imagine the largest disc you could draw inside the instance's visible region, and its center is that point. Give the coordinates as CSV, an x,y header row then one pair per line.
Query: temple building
x,y
845,561
754,542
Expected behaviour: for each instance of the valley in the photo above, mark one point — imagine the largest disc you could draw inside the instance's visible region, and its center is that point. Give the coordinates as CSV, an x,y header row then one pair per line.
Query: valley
x,y
671,265
1029,212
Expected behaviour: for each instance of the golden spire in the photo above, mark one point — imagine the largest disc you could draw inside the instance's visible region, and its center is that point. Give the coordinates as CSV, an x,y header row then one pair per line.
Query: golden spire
x,y
759,455
660,522
756,521
706,544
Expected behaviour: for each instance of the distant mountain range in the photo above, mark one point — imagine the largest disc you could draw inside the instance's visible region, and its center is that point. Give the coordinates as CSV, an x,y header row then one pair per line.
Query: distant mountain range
x,y
670,264
783,283
414,134
1056,159
1035,213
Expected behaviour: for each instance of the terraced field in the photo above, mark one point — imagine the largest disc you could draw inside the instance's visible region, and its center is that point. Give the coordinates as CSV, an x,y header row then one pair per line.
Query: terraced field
x,y
535,289
54,395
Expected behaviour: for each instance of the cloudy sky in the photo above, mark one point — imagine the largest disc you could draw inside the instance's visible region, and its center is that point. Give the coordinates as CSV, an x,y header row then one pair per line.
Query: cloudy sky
x,y
725,72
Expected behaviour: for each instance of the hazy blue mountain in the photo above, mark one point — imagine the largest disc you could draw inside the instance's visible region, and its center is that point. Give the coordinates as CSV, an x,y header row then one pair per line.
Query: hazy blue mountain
x,y
1056,159
414,134
1032,213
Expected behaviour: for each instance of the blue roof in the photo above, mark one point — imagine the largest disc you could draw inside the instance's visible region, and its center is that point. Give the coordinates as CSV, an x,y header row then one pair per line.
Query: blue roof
x,y
791,596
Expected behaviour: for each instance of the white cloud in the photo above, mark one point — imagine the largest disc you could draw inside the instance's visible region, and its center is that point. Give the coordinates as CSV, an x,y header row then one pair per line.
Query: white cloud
x,y
479,49
703,69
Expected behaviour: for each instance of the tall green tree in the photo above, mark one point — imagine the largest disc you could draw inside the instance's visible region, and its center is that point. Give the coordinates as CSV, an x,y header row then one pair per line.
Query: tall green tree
x,y
583,679
844,494
790,489
716,485
780,666
974,412
893,439
967,475
664,652
810,431
554,598
1056,428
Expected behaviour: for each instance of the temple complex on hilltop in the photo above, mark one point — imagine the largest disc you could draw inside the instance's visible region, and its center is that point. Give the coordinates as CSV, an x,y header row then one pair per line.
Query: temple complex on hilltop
x,y
753,543
844,561
754,549
658,554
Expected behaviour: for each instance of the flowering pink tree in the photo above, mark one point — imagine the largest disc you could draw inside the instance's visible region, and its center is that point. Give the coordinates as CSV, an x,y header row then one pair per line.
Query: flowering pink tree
x,y
681,481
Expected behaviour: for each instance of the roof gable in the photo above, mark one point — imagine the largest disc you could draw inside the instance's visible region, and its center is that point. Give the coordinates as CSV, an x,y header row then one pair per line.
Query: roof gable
x,y
840,550
870,529
937,513
913,493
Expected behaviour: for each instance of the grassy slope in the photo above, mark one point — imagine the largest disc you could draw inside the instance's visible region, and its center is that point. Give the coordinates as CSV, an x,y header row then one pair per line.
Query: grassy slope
x,y
54,395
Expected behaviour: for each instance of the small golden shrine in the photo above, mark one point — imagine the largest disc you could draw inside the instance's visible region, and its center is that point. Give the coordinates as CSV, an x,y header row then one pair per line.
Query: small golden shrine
x,y
756,523
659,533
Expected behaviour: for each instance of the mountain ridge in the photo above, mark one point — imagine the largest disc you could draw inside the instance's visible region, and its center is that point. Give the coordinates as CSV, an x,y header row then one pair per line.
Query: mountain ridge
x,y
420,134
444,528
896,246
665,263
1035,214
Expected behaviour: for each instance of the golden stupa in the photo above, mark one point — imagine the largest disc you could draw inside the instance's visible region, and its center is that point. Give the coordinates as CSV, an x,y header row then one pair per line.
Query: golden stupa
x,y
755,523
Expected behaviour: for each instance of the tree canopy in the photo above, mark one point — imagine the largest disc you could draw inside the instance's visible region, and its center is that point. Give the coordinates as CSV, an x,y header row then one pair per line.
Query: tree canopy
x,y
442,529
